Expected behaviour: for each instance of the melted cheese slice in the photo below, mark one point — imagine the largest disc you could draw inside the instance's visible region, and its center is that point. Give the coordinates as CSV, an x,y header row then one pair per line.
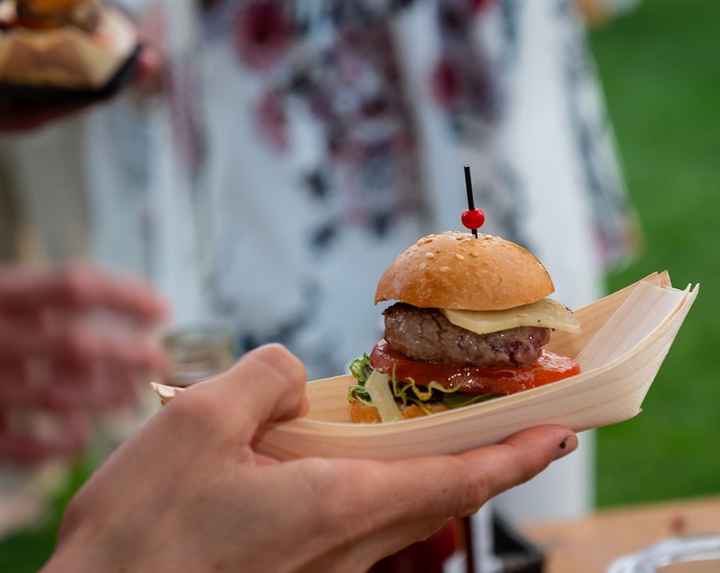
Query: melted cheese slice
x,y
546,314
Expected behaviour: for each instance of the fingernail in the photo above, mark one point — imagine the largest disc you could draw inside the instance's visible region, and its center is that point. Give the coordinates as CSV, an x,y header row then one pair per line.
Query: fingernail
x,y
568,445
281,360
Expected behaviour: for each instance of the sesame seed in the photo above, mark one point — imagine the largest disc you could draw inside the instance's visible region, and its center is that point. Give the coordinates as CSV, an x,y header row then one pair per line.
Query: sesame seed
x,y
429,255
444,269
459,257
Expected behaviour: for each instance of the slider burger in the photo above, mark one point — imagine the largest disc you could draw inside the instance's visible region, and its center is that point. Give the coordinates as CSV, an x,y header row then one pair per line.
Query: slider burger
x,y
470,323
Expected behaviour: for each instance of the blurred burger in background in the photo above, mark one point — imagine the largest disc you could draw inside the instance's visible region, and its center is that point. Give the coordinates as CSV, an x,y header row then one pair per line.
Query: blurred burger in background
x,y
79,49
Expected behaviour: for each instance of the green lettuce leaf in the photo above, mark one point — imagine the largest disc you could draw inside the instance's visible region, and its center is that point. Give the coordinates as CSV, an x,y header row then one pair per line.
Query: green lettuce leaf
x,y
360,369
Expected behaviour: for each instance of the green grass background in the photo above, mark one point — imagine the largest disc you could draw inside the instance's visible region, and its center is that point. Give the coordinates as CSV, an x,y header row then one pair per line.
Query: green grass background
x,y
660,67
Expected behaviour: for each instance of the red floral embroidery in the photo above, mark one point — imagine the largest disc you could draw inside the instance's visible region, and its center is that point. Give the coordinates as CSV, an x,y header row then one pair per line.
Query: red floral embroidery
x,y
263,33
272,119
446,83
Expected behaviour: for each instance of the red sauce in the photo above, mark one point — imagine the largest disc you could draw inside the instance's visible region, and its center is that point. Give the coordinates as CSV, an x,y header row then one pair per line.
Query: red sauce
x,y
549,368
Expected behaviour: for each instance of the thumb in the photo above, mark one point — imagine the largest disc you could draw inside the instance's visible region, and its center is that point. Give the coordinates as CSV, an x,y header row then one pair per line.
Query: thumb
x,y
267,385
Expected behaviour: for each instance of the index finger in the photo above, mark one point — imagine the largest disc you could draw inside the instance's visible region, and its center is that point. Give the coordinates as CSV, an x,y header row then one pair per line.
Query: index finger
x,y
77,287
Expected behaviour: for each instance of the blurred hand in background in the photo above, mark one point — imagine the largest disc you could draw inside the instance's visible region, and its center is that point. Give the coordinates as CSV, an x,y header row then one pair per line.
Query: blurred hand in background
x,y
19,118
148,79
151,75
73,342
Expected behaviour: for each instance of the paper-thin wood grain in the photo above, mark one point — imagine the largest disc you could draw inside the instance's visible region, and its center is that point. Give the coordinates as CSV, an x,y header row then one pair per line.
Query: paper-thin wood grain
x,y
625,339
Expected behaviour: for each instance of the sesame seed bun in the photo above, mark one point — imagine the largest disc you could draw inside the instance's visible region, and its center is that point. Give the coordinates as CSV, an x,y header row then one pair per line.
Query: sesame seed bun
x,y
457,271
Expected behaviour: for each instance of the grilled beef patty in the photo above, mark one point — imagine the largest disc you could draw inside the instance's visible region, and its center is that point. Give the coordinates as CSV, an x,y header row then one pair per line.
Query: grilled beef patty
x,y
425,334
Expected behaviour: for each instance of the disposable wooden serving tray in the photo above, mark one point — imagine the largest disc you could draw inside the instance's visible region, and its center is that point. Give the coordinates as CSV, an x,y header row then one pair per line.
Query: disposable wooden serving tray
x,y
624,341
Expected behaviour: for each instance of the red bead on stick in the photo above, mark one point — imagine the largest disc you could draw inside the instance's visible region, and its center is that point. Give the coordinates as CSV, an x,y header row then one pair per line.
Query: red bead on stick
x,y
473,219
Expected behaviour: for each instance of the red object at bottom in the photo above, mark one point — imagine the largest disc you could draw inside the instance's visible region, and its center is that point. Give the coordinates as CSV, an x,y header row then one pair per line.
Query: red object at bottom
x,y
428,556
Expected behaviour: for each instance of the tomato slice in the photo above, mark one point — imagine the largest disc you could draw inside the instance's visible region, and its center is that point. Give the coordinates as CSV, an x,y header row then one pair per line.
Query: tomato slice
x,y
550,367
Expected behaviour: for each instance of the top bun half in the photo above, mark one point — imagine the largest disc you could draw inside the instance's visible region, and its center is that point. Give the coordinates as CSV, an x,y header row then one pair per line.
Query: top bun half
x,y
457,271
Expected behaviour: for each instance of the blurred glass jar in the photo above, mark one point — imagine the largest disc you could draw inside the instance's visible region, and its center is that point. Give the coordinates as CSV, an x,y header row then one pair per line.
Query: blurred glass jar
x,y
678,555
197,353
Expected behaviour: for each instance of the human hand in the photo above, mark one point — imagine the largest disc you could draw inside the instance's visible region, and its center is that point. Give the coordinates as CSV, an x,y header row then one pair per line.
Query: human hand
x,y
190,492
149,78
21,117
70,345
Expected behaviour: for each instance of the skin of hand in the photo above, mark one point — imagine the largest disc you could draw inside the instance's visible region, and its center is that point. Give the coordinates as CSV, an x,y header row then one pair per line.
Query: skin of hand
x,y
191,493
72,344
